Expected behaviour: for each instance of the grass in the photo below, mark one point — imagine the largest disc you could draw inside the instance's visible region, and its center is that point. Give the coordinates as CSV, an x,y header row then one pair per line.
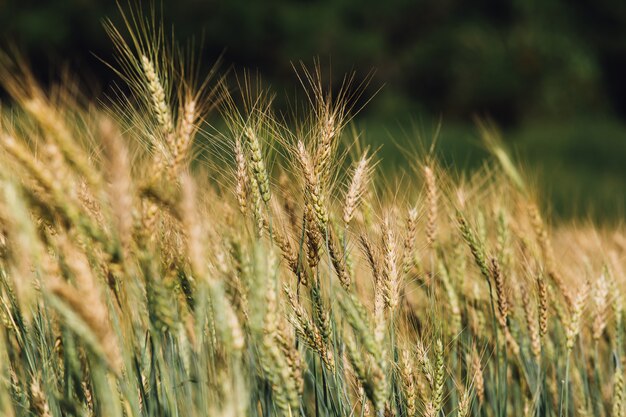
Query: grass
x,y
271,269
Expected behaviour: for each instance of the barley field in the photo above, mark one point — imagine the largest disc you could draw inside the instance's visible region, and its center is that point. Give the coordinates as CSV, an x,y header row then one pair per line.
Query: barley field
x,y
154,265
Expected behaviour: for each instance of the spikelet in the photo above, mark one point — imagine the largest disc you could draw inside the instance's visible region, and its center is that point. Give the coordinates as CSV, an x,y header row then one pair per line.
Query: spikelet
x,y
600,298
257,206
431,203
380,323
287,344
286,249
367,411
39,402
618,313
162,312
476,247
313,237
430,410
542,291
408,383
358,184
338,260
409,241
425,364
257,164
309,332
573,324
312,186
272,359
242,181
158,97
184,137
118,172
379,380
391,284
503,307
358,366
322,315
531,324
477,375
235,284
149,218
371,257
618,393
439,383
326,141
463,409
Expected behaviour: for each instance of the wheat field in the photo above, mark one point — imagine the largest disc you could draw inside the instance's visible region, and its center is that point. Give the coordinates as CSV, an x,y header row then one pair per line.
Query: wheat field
x,y
151,265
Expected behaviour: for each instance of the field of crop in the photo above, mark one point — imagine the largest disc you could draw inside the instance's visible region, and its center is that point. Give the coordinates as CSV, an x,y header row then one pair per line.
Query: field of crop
x,y
151,265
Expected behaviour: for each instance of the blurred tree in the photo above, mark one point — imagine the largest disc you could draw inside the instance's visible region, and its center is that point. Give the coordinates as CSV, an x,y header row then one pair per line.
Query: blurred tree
x,y
513,60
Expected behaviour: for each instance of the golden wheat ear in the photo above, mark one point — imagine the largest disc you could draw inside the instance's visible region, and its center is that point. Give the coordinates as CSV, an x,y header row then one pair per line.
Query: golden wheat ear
x,y
170,97
357,187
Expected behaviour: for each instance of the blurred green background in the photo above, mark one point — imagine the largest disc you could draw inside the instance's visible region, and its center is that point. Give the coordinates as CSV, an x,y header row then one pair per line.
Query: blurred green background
x,y
550,73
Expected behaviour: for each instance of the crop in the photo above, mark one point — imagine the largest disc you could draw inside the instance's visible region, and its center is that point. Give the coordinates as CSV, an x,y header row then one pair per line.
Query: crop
x,y
152,266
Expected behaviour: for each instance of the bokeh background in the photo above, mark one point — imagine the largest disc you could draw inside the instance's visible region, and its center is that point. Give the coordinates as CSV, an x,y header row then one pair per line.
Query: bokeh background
x,y
550,73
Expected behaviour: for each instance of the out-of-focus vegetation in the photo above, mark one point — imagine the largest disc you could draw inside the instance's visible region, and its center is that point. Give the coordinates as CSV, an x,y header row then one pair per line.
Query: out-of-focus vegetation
x,y
577,166
549,73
